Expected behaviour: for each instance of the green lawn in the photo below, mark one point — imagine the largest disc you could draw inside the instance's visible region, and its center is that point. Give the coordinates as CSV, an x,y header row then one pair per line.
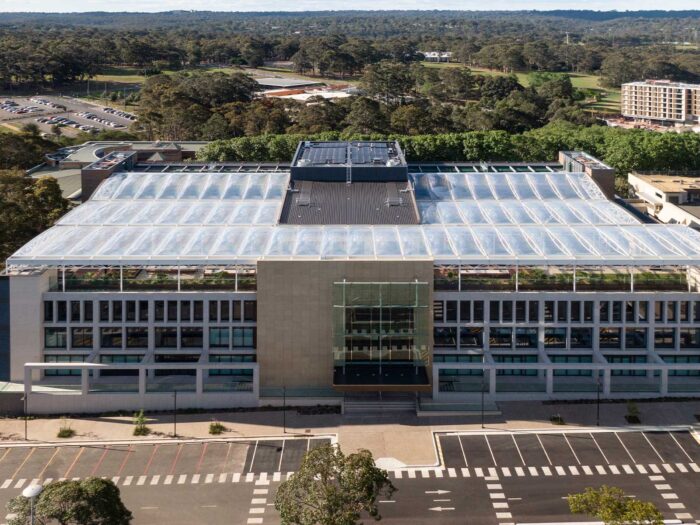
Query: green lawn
x,y
610,102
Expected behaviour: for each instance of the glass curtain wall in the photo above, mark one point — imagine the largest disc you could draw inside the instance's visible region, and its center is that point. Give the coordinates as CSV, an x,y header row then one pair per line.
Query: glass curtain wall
x,y
381,333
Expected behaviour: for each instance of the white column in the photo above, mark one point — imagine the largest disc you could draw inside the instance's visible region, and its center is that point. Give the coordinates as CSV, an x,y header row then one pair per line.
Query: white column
x,y
606,382
84,381
199,380
492,381
664,382
142,381
549,378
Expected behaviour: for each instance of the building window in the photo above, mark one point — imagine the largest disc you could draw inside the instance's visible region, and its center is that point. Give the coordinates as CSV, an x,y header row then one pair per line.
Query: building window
x,y
143,311
191,337
617,311
185,311
166,337
478,311
224,314
604,312
236,311
582,338
610,338
520,311
664,338
55,337
690,338
575,311
131,310
63,359
658,311
507,311
533,311
671,311
471,337
588,311
500,337
549,311
75,311
159,310
219,337
438,312
643,313
244,337
636,338
629,311
61,311
104,311
81,337
555,337
494,311
116,310
198,310
48,311
172,310
87,311
137,337
465,311
561,311
250,311
445,336
110,337
526,337
214,311
685,311
451,311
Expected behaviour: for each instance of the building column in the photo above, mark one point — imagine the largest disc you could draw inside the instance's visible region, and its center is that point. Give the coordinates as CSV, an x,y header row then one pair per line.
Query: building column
x,y
84,381
27,383
256,382
549,378
199,381
664,382
142,381
606,383
492,381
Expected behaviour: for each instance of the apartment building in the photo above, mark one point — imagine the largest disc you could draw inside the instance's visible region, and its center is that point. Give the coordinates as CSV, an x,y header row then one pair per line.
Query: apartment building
x,y
673,199
351,271
661,101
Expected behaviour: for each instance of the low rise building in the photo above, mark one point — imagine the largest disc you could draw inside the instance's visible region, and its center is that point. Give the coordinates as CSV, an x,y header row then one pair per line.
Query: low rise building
x,y
347,272
672,199
661,101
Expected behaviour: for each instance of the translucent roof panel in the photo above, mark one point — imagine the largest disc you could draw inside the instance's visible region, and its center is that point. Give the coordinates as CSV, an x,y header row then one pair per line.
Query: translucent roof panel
x,y
466,216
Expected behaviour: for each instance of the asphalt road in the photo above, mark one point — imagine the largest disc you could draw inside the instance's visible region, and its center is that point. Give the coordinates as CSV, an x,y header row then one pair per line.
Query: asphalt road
x,y
484,478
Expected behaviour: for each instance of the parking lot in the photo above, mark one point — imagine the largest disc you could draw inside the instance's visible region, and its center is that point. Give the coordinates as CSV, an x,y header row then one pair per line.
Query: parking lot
x,y
47,111
153,464
572,453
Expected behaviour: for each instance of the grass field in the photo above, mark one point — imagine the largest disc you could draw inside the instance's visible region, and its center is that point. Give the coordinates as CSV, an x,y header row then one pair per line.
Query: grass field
x,y
610,97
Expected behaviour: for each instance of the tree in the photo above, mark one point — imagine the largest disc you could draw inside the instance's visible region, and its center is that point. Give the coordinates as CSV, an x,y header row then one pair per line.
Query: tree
x,y
92,501
28,206
331,488
610,505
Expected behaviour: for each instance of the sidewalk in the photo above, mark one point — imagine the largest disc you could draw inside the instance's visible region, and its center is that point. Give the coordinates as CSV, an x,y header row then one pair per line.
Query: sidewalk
x,y
403,438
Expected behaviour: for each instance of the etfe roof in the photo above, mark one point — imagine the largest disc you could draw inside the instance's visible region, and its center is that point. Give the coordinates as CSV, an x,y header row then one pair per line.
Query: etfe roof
x,y
470,218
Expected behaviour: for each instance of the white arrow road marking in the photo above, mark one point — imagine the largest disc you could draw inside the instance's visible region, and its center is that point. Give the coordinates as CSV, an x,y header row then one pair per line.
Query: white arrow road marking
x,y
440,509
437,491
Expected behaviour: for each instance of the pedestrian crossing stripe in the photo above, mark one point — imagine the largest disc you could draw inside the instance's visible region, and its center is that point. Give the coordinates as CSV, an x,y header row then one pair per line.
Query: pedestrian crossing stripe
x,y
405,473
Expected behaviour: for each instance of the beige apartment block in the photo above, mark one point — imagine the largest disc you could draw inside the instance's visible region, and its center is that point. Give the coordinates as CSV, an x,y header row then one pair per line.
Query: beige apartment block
x,y
661,100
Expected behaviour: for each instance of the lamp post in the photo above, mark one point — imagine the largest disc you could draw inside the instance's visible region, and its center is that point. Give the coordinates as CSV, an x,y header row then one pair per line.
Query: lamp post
x,y
31,492
25,417
597,408
483,389
175,413
284,408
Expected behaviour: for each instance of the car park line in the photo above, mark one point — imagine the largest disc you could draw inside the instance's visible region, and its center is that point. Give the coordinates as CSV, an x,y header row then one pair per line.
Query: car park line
x,y
599,449
544,450
461,446
23,462
75,460
99,462
175,460
518,449
680,446
126,458
625,447
653,448
279,465
150,460
491,451
572,449
41,474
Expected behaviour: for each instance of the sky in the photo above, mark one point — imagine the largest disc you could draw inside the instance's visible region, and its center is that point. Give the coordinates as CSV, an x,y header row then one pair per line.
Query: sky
x,y
325,5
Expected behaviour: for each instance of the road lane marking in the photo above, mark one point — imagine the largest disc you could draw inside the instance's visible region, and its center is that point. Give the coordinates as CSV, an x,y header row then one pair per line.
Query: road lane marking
x,y
599,449
182,479
519,471
201,458
175,460
255,449
452,473
625,447
614,469
547,471
677,443
148,464
506,472
668,468
479,472
195,479
222,477
277,476
587,470
127,480
7,451
544,450
574,471
168,479
236,477
653,448
155,479
466,464
654,469
663,486
75,460
642,470
99,462
491,451
41,474
695,467
518,449
20,483
279,466
572,449
681,467
627,469
600,469
209,478
31,451
560,471
126,458
6,484
533,471
669,495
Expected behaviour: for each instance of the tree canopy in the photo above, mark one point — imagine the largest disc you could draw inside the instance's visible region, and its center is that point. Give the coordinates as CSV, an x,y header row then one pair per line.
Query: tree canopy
x,y
331,488
610,505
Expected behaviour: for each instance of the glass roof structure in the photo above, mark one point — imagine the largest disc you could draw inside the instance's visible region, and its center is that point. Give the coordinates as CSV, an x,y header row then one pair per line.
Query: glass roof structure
x,y
222,218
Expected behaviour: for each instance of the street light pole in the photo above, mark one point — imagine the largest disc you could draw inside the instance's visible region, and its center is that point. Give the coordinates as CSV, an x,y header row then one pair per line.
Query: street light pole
x,y
25,417
284,408
483,388
31,492
175,413
597,410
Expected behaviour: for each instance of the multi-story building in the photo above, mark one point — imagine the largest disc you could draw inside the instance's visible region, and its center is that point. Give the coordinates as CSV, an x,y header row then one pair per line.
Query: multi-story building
x,y
673,199
662,101
352,271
